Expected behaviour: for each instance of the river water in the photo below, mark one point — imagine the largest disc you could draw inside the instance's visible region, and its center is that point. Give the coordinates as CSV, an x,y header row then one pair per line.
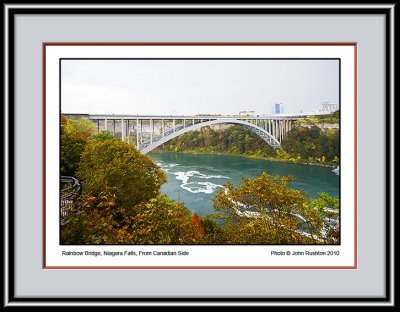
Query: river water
x,y
195,178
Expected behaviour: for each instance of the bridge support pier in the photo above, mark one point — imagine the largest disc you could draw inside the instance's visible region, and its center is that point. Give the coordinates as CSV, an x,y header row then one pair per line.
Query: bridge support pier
x,y
137,133
274,128
151,131
128,130
122,130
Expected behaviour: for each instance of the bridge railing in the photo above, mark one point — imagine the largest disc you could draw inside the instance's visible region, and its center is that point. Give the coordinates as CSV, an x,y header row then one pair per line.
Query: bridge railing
x,y
70,192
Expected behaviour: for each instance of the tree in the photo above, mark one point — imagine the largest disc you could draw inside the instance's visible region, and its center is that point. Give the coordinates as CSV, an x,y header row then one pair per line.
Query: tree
x,y
312,143
75,134
264,210
314,132
215,232
99,220
103,136
157,221
118,166
323,215
163,221
82,125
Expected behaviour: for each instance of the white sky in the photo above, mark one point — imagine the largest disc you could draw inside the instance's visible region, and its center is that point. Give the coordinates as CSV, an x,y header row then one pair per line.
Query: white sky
x,y
188,87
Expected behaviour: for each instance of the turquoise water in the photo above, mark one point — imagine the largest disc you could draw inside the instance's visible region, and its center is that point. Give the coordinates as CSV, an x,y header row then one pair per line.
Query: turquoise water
x,y
195,178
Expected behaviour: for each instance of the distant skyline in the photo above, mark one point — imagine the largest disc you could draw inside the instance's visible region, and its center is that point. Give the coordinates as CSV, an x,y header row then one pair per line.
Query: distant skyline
x,y
189,87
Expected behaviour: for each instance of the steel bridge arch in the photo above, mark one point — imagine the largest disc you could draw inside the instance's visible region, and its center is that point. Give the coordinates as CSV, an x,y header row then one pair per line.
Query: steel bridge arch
x,y
148,146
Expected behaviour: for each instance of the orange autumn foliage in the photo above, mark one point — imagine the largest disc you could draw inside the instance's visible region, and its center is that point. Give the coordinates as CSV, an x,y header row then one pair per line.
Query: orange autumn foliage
x,y
195,223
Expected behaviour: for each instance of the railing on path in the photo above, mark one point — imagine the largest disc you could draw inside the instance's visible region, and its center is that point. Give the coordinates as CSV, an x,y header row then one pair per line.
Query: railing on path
x,y
70,191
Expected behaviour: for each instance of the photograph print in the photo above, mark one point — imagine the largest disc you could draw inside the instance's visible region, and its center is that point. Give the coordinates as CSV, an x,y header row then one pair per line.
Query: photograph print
x,y
199,151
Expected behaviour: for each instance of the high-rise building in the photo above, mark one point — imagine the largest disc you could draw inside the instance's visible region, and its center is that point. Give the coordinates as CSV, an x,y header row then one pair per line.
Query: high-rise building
x,y
277,108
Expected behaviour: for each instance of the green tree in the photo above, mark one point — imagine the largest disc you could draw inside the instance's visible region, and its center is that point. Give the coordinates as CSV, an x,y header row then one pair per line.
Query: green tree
x,y
312,144
216,233
75,134
118,166
104,136
81,125
314,132
323,216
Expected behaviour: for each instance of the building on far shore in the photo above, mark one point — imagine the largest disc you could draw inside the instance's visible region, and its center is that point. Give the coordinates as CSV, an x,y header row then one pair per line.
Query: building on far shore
x,y
247,113
327,107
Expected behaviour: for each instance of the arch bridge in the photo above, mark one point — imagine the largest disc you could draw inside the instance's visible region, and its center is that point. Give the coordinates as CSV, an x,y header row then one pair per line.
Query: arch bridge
x,y
149,132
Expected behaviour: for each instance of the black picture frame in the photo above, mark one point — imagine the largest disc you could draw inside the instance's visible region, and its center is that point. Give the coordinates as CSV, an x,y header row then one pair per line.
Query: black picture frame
x,y
12,10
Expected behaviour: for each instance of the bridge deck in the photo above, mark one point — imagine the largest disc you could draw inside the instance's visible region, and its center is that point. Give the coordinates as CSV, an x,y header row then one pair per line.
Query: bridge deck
x,y
170,117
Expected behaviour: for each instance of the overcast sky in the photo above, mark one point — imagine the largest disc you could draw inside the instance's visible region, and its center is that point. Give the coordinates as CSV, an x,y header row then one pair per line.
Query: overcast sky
x,y
188,87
